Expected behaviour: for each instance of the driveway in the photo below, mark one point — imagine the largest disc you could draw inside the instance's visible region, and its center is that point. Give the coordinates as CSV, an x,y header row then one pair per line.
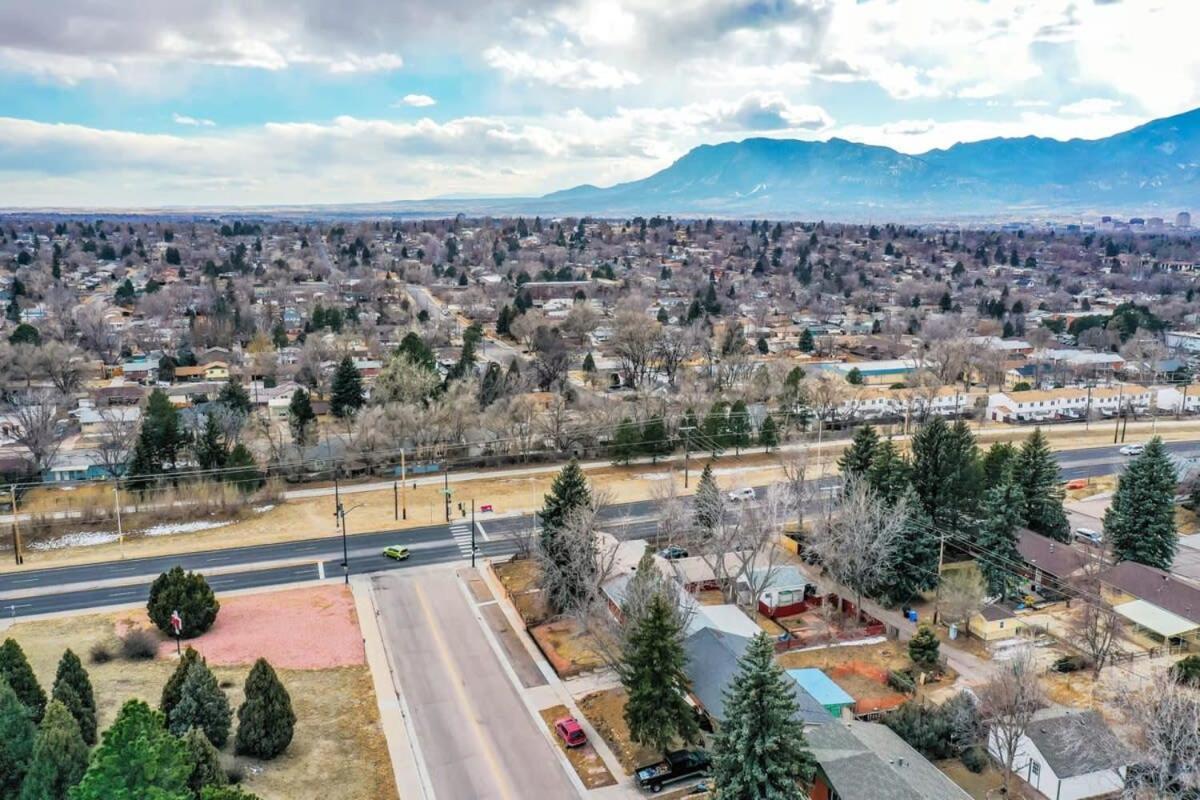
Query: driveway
x,y
476,737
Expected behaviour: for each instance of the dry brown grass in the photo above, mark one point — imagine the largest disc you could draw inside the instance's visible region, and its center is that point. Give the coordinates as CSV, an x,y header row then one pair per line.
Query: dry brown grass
x,y
586,761
338,753
569,647
605,709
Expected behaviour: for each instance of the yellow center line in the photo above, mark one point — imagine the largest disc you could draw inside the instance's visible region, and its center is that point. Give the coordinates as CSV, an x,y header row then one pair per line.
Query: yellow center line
x,y
457,683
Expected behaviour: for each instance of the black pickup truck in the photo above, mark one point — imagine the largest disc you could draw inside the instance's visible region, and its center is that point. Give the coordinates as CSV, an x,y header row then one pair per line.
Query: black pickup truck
x,y
679,765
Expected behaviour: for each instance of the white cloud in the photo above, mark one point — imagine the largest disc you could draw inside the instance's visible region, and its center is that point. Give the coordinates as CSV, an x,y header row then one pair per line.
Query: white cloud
x,y
1091,106
195,122
565,73
418,100
908,127
767,111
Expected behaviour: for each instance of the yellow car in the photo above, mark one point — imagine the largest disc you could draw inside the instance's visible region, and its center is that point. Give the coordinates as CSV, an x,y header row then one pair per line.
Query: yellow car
x,y
396,551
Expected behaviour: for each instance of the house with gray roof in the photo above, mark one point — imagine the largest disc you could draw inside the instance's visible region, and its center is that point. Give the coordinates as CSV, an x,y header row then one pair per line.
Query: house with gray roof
x,y
1069,755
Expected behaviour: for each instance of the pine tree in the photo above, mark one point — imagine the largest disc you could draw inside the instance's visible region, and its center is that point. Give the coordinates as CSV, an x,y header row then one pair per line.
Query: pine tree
x,y
346,395
768,435
945,472
740,427
16,741
996,542
235,397
889,475
715,427
1037,471
136,758
300,417
914,558
226,793
761,752
161,440
708,504
998,459
173,688
59,756
72,681
265,719
923,648
241,470
855,461
205,761
1140,522
626,442
568,493
202,705
807,345
655,441
589,363
209,447
655,680
15,669
190,595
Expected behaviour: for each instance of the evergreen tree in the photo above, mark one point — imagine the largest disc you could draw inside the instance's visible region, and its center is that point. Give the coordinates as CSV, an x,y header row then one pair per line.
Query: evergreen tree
x,y
1037,471
226,793
768,435
855,461
655,441
807,345
265,719
15,669
173,688
241,470
346,394
59,756
235,397
589,363
889,474
914,566
655,680
161,439
301,417
190,595
205,762
761,752
999,459
945,472
998,534
71,675
17,732
708,504
740,428
201,705
923,648
136,759
715,427
626,442
569,494
209,447
1140,522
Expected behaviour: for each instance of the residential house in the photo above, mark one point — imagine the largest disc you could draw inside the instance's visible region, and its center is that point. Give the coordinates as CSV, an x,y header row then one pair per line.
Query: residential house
x,y
994,622
95,423
1158,602
1049,564
1069,755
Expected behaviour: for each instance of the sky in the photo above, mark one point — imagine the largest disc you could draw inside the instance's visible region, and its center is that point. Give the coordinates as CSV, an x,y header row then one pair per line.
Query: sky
x,y
146,103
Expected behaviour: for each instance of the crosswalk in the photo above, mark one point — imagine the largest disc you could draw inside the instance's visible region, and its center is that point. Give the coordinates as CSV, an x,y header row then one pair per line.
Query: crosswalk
x,y
462,537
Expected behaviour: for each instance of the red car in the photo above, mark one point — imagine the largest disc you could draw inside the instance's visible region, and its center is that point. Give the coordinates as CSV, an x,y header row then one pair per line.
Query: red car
x,y
570,732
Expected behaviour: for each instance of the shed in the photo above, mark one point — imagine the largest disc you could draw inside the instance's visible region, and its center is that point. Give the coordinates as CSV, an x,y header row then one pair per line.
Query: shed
x,y
833,697
994,622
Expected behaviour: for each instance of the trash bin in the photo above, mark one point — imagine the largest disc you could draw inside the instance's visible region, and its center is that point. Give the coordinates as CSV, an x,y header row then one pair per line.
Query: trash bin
x,y
953,630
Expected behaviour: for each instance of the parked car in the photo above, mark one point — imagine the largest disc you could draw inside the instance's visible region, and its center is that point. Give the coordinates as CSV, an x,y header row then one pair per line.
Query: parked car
x,y
1132,449
1090,536
397,552
672,552
570,731
739,495
677,766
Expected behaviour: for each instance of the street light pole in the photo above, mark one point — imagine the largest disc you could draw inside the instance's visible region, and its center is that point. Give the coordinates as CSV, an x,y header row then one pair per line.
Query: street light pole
x,y
472,533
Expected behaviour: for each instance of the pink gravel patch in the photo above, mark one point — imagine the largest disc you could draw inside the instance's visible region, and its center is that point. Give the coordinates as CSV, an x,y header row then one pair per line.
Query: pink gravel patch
x,y
308,628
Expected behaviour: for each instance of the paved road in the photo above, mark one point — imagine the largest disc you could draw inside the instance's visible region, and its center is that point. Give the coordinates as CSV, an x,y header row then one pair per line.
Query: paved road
x,y
430,544
477,738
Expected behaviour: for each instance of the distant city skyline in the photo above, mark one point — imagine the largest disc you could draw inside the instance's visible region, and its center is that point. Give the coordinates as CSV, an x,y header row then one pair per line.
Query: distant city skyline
x,y
147,103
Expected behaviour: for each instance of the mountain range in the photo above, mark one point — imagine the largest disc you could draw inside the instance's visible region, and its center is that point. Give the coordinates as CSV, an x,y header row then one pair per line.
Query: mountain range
x,y
1153,167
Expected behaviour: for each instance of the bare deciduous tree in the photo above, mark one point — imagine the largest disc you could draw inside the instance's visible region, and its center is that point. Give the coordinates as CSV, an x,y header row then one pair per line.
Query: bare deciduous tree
x,y
1165,722
961,595
37,415
1008,702
1096,626
117,436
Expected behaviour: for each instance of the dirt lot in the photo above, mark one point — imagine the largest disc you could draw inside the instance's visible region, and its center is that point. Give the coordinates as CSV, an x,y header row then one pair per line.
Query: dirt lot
x,y
606,711
569,648
586,761
339,752
978,785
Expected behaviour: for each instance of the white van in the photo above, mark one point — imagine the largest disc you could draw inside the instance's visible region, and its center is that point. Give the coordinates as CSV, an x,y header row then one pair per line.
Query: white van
x,y
740,495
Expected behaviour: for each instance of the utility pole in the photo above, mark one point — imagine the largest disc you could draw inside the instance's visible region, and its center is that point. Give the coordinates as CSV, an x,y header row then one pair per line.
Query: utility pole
x,y
1117,429
403,497
16,531
1182,403
395,501
117,507
937,596
472,533
446,489
1087,414
687,451
339,515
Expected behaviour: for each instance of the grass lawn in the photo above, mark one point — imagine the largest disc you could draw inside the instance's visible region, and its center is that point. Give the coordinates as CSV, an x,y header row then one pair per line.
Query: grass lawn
x,y
338,753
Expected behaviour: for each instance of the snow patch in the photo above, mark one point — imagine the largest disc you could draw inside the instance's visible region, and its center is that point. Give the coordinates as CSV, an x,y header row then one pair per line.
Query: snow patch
x,y
263,509
182,527
81,539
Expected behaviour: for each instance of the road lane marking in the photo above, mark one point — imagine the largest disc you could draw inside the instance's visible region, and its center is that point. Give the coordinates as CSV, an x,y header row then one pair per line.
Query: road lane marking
x,y
456,683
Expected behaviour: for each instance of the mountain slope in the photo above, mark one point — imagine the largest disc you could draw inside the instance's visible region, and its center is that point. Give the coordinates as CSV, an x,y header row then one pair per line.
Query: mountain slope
x,y
1153,166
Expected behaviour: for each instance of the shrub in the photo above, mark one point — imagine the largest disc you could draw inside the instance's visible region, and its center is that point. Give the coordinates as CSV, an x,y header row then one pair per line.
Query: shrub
x,y
74,688
139,644
975,759
265,720
1068,664
923,648
1187,670
235,771
226,793
938,732
173,688
205,761
17,733
901,681
59,756
100,653
185,592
